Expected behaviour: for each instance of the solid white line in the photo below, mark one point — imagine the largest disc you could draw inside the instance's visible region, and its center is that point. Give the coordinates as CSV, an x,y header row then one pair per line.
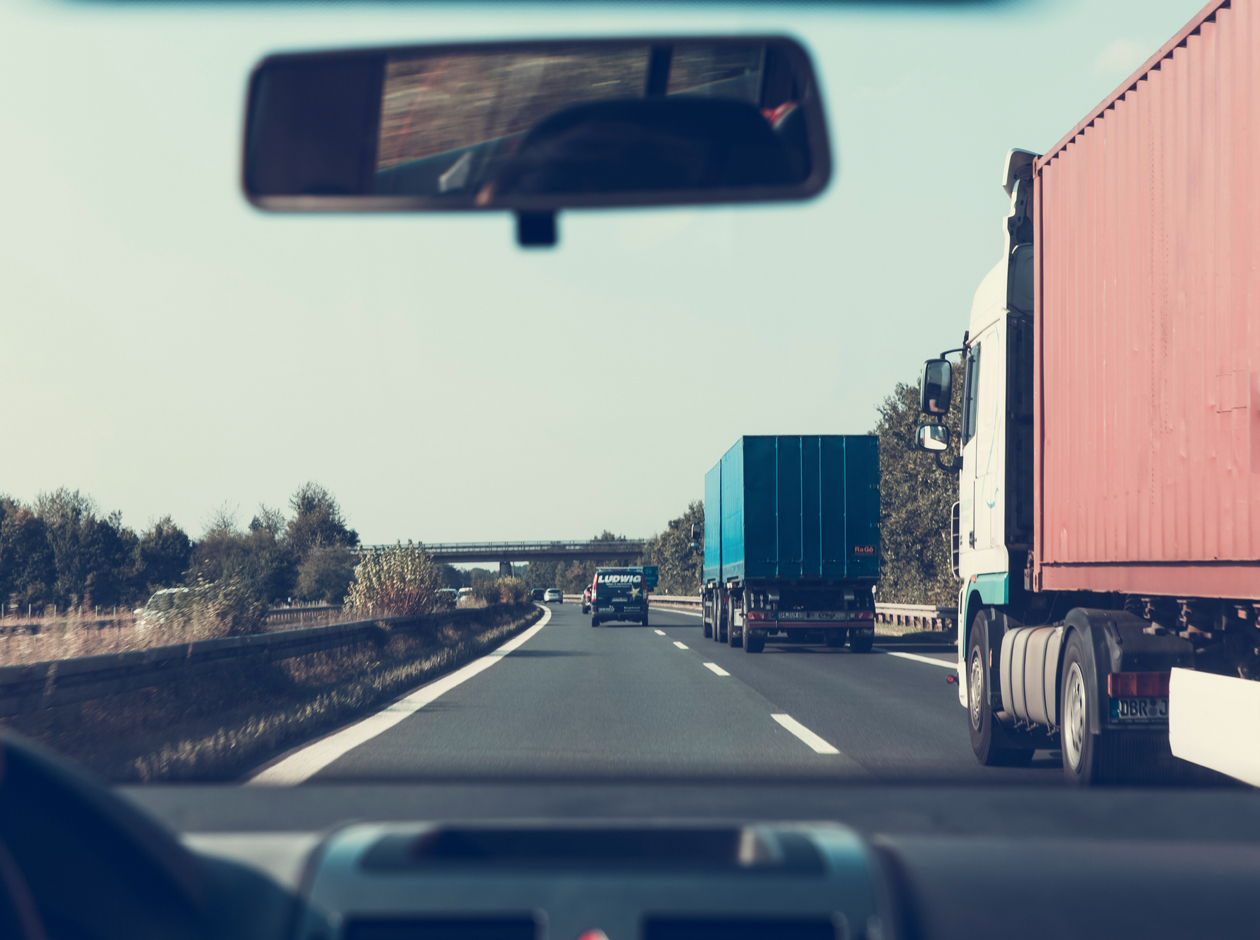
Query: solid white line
x,y
681,646
716,668
659,632
798,729
679,610
310,760
948,664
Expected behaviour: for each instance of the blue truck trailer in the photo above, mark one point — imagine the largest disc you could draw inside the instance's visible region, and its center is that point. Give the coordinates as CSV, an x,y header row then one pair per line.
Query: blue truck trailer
x,y
791,541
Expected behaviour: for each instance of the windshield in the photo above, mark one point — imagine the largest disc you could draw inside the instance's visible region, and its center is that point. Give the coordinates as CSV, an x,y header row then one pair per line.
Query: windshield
x,y
408,429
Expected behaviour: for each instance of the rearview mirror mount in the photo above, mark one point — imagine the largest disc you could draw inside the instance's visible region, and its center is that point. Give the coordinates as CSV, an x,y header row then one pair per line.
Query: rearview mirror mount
x,y
535,127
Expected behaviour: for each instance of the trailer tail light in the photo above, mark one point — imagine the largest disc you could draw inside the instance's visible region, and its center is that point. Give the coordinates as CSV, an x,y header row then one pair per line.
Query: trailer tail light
x,y
756,615
1134,684
864,615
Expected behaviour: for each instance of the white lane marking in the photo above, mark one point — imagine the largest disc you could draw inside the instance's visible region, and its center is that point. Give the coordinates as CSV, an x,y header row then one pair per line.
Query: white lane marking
x,y
798,729
659,632
716,668
679,610
681,646
310,760
948,664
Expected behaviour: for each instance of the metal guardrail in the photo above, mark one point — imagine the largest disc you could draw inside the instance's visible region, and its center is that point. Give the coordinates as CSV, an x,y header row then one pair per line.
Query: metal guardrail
x,y
923,616
36,686
523,551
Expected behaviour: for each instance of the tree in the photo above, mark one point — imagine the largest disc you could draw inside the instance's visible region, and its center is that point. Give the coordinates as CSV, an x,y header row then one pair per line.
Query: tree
x,y
94,556
325,575
162,556
28,567
916,499
260,562
317,522
680,567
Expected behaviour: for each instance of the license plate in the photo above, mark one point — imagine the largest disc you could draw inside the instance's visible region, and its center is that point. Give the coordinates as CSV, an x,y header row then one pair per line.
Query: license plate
x,y
828,616
1139,709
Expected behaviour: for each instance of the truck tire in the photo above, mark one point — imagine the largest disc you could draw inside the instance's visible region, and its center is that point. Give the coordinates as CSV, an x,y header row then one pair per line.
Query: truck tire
x,y
860,644
1084,754
719,627
987,735
736,639
708,629
754,644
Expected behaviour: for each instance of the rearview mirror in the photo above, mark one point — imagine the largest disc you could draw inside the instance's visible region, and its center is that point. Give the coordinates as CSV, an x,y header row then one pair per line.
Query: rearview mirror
x,y
932,437
536,126
937,387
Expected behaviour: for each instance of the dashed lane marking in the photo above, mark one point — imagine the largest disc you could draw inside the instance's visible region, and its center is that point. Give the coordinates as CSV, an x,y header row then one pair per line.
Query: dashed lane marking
x,y
659,632
798,729
714,667
681,646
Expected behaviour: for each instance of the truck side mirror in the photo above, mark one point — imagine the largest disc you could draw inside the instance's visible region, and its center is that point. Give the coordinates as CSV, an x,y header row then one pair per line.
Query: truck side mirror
x,y
937,387
696,533
932,437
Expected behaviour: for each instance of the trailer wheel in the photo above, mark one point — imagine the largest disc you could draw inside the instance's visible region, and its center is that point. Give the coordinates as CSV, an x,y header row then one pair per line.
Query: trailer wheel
x,y
719,626
986,735
754,643
860,644
708,626
1084,754
736,639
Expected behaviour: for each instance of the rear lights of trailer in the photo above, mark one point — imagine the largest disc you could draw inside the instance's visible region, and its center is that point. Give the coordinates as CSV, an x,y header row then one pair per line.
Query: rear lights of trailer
x,y
757,615
1134,684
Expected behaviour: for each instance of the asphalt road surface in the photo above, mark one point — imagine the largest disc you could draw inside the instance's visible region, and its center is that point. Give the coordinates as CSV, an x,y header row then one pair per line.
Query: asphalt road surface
x,y
622,701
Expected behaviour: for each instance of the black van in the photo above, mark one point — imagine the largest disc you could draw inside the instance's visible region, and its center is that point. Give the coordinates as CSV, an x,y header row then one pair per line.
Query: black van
x,y
620,594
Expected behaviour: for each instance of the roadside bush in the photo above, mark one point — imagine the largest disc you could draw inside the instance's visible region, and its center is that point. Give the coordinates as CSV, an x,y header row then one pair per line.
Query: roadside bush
x,y
501,591
227,607
398,581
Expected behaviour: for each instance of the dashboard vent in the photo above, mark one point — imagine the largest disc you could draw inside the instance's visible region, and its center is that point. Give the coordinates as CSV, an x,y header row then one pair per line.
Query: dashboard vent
x,y
698,928
523,927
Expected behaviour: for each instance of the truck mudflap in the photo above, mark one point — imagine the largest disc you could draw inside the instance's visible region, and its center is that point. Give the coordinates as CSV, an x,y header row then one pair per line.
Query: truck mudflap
x,y
1214,721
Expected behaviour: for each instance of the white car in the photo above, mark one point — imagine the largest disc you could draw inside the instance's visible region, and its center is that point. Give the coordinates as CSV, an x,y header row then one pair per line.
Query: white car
x,y
553,594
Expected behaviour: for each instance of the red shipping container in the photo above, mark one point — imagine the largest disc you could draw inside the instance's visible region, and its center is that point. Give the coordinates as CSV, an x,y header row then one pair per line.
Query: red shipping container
x,y
1148,327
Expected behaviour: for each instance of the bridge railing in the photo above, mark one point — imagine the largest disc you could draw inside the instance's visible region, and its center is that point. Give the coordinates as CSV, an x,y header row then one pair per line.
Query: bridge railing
x,y
511,550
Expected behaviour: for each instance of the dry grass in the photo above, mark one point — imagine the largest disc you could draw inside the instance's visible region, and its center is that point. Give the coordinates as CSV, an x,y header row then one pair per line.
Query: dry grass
x,y
219,725
26,640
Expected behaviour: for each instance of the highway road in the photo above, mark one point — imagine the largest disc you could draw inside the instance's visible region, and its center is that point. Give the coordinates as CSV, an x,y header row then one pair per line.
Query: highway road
x,y
625,702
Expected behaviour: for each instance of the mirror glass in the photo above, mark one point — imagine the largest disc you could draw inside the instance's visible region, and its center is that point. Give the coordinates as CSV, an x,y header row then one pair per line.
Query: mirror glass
x,y
932,437
538,125
937,387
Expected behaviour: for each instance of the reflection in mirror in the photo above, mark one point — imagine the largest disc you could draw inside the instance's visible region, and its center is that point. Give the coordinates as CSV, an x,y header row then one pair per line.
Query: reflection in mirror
x,y
934,437
937,387
539,125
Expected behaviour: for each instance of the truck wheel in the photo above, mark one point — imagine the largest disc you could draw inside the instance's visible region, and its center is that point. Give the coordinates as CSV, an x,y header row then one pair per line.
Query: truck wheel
x,y
736,639
719,628
986,734
1084,754
860,644
754,644
835,638
708,629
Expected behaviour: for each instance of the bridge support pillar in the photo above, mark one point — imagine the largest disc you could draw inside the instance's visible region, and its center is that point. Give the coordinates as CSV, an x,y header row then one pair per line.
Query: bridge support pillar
x,y
505,569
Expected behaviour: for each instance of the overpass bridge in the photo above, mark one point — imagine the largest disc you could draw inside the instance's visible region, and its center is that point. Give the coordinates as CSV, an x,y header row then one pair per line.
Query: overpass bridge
x,y
505,553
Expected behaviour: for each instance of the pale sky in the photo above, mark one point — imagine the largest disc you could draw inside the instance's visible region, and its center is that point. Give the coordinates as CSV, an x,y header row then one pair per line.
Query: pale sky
x,y
169,349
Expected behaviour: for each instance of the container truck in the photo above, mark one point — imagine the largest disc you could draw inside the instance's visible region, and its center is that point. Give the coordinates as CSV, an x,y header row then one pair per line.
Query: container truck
x,y
791,541
1107,529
